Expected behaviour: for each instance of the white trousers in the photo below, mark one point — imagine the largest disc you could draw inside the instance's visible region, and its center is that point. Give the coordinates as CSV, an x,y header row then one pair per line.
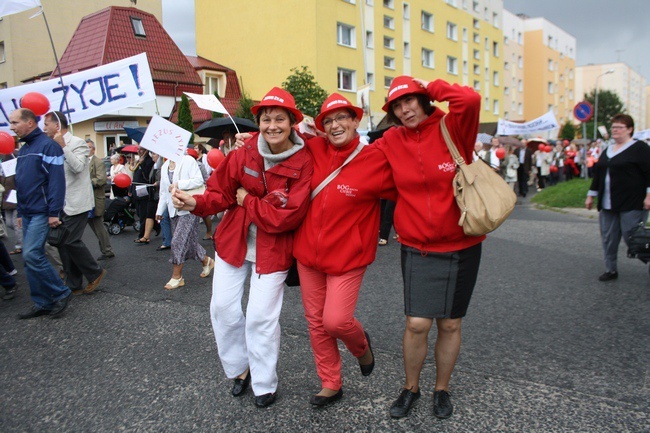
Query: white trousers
x,y
252,340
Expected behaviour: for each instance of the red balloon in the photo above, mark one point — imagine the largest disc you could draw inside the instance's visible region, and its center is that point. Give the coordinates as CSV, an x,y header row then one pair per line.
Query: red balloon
x,y
501,153
541,147
548,148
37,102
7,143
215,156
554,169
122,180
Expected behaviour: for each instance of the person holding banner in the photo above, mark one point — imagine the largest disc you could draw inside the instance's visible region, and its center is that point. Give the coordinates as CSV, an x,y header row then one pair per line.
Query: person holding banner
x,y
144,195
439,262
622,184
264,187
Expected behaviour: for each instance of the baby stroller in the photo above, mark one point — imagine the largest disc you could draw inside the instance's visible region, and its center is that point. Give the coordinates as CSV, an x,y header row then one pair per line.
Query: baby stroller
x,y
120,213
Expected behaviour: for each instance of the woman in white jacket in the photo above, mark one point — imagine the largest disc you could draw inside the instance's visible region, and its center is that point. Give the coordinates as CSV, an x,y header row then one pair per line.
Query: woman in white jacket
x,y
185,176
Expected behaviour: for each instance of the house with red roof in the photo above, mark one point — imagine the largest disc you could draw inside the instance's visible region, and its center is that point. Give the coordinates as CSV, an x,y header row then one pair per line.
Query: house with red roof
x,y
115,33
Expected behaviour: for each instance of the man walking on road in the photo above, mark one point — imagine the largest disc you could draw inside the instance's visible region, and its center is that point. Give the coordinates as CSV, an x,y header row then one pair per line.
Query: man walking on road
x,y
98,180
77,260
40,189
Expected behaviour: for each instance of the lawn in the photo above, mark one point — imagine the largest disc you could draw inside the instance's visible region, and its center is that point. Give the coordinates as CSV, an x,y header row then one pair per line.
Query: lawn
x,y
564,194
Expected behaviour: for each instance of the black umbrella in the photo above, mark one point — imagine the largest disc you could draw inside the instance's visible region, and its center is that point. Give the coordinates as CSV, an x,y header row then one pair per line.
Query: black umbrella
x,y
215,128
135,134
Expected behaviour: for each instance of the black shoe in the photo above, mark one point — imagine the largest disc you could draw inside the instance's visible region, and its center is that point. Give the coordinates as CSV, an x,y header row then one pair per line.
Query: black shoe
x,y
10,293
265,400
367,369
241,385
60,306
321,400
403,404
106,256
34,311
608,276
442,407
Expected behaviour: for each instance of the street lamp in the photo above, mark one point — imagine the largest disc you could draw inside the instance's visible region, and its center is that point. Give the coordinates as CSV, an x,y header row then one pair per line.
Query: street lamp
x,y
609,71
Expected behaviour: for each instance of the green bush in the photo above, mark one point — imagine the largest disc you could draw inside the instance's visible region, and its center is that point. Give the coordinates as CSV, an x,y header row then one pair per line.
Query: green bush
x,y
564,194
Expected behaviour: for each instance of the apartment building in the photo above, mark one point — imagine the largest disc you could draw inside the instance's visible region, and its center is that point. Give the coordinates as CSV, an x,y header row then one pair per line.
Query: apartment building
x,y
629,85
350,43
513,66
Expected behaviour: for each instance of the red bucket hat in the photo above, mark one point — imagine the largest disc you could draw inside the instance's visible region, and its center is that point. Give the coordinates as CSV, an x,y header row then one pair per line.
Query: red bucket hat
x,y
278,98
400,86
335,102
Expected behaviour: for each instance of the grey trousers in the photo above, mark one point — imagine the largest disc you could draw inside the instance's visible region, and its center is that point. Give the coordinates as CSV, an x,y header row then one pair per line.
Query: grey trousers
x,y
97,226
613,226
77,260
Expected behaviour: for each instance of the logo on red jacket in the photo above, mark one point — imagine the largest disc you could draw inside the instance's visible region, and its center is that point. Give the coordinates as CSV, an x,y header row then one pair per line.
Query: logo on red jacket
x,y
347,190
447,167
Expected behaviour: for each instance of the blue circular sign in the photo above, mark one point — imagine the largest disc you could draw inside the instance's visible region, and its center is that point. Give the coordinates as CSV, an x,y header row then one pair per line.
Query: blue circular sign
x,y
583,111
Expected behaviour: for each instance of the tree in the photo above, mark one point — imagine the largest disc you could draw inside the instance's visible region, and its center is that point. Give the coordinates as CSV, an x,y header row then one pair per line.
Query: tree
x,y
245,105
568,131
309,95
609,105
216,115
185,116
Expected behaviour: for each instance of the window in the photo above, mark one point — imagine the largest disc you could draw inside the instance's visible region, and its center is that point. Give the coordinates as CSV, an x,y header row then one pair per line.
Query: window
x,y
495,106
486,104
520,85
452,65
495,49
477,85
389,62
465,67
370,2
346,79
389,43
505,40
495,78
477,54
464,34
370,43
477,69
495,19
389,22
387,81
476,38
520,62
350,1
211,85
487,44
475,6
370,79
452,3
389,4
506,90
407,11
407,50
487,74
520,39
476,23
345,35
506,66
452,31
506,115
550,88
520,109
2,52
138,28
427,58
570,74
427,21
550,64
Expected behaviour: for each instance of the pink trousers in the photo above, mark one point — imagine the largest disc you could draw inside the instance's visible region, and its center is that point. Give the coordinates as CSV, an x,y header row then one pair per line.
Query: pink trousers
x,y
329,302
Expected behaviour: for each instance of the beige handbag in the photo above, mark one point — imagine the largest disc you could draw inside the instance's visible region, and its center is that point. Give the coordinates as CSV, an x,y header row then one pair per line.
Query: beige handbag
x,y
484,198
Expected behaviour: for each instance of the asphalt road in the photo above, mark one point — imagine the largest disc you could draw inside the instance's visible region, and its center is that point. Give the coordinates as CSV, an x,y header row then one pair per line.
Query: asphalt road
x,y
546,348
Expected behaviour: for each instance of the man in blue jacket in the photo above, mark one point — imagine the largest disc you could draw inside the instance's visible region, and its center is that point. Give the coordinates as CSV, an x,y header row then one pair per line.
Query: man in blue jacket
x,y
40,189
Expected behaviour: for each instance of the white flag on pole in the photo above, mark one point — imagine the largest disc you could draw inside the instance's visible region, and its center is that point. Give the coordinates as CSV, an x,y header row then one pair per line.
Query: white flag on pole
x,y
166,139
208,102
8,7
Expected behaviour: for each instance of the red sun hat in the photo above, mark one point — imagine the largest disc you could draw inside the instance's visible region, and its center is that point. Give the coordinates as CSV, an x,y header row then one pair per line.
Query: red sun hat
x,y
192,152
278,98
400,86
335,102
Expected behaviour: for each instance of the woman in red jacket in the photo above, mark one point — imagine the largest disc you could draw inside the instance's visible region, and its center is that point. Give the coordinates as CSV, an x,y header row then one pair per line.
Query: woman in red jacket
x,y
264,189
439,262
337,241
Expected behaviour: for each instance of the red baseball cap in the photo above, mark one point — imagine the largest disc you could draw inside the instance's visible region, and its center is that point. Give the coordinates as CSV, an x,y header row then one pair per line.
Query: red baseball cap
x,y
278,97
400,86
335,102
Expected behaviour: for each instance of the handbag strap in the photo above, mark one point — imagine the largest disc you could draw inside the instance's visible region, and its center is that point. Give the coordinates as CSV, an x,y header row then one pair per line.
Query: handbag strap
x,y
336,172
450,143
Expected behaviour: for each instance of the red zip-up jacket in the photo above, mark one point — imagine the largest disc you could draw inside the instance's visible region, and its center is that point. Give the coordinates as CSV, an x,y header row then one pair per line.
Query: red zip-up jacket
x,y
339,232
275,222
426,213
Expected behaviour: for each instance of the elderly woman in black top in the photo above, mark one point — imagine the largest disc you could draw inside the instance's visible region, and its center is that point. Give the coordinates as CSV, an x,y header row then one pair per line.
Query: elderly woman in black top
x,y
622,184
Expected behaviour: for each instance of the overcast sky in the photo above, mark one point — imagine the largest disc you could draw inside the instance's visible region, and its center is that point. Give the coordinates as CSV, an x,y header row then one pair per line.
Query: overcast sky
x,y
601,27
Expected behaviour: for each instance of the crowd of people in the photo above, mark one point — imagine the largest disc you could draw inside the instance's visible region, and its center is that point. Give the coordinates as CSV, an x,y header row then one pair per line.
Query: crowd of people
x,y
313,202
